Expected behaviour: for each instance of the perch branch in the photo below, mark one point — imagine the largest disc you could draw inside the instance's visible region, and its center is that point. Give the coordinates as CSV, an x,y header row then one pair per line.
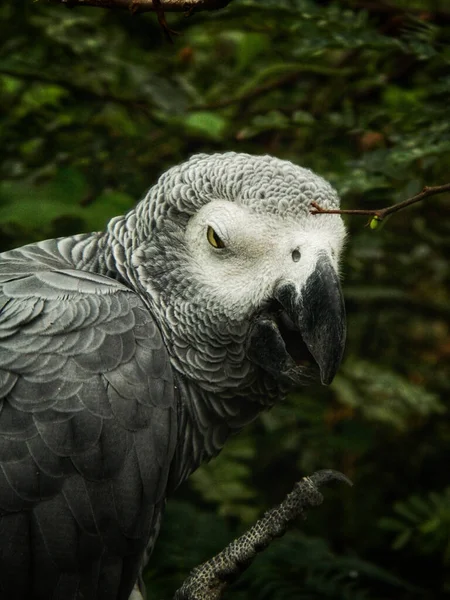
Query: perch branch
x,y
140,6
160,7
379,214
210,580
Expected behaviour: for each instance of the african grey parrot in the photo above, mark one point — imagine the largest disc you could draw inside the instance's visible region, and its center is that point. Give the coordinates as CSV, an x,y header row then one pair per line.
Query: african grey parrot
x,y
128,357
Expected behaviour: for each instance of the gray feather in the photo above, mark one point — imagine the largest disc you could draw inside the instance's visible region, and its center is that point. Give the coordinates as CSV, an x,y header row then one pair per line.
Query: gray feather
x,y
85,387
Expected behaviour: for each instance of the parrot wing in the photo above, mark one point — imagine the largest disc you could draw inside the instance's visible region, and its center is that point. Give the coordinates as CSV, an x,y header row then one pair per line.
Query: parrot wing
x,y
87,433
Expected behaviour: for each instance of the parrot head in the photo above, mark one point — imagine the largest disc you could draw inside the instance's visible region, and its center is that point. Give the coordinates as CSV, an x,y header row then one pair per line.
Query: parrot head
x,y
241,276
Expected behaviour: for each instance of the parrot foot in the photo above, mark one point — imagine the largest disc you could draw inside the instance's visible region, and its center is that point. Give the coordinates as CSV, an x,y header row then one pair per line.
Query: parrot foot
x,y
210,580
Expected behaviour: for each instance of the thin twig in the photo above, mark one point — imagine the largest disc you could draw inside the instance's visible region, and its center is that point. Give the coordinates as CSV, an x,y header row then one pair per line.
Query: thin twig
x,y
381,213
160,13
253,93
278,82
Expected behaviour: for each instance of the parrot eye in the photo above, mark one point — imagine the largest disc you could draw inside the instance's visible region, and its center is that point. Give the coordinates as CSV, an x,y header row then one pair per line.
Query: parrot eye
x,y
213,238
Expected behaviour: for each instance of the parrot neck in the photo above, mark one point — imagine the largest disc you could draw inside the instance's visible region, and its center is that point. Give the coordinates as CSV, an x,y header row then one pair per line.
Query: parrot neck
x,y
206,420
112,253
210,406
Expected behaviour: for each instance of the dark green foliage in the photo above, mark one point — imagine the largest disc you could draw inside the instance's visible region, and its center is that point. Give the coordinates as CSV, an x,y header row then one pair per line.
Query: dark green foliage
x,y
423,522
296,567
96,105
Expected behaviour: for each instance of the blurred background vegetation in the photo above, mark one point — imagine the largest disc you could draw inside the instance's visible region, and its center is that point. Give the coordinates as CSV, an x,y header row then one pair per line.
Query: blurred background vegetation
x,y
95,105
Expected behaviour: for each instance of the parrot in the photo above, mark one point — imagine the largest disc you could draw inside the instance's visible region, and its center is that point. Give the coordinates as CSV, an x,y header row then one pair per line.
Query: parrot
x,y
129,356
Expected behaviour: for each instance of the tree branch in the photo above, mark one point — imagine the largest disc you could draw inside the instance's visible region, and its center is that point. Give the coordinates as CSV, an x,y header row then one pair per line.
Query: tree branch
x,y
140,6
379,214
160,7
210,580
272,84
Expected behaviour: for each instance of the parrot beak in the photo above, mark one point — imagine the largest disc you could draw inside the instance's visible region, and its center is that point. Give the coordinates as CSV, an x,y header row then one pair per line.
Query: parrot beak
x,y
318,314
300,334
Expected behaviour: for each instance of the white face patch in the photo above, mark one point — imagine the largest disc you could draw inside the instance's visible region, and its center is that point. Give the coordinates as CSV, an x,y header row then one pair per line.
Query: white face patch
x,y
258,251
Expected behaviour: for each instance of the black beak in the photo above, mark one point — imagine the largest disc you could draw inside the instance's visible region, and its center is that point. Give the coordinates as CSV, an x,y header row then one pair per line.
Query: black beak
x,y
319,314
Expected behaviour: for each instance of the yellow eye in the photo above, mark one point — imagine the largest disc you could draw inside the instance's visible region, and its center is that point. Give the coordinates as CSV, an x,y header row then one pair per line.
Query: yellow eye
x,y
213,238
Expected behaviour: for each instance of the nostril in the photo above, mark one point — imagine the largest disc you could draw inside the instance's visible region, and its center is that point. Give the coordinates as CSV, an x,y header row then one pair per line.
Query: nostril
x,y
296,255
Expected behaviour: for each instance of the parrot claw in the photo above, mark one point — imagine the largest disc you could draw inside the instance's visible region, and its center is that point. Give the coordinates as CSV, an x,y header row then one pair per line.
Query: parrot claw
x,y
210,580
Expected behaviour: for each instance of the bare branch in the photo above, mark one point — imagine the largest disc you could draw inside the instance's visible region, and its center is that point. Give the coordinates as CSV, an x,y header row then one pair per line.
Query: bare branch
x,y
379,214
285,79
140,6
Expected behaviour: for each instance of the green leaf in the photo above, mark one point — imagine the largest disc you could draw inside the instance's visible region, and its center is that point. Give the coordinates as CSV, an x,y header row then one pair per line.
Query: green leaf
x,y
402,540
206,124
375,222
248,46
